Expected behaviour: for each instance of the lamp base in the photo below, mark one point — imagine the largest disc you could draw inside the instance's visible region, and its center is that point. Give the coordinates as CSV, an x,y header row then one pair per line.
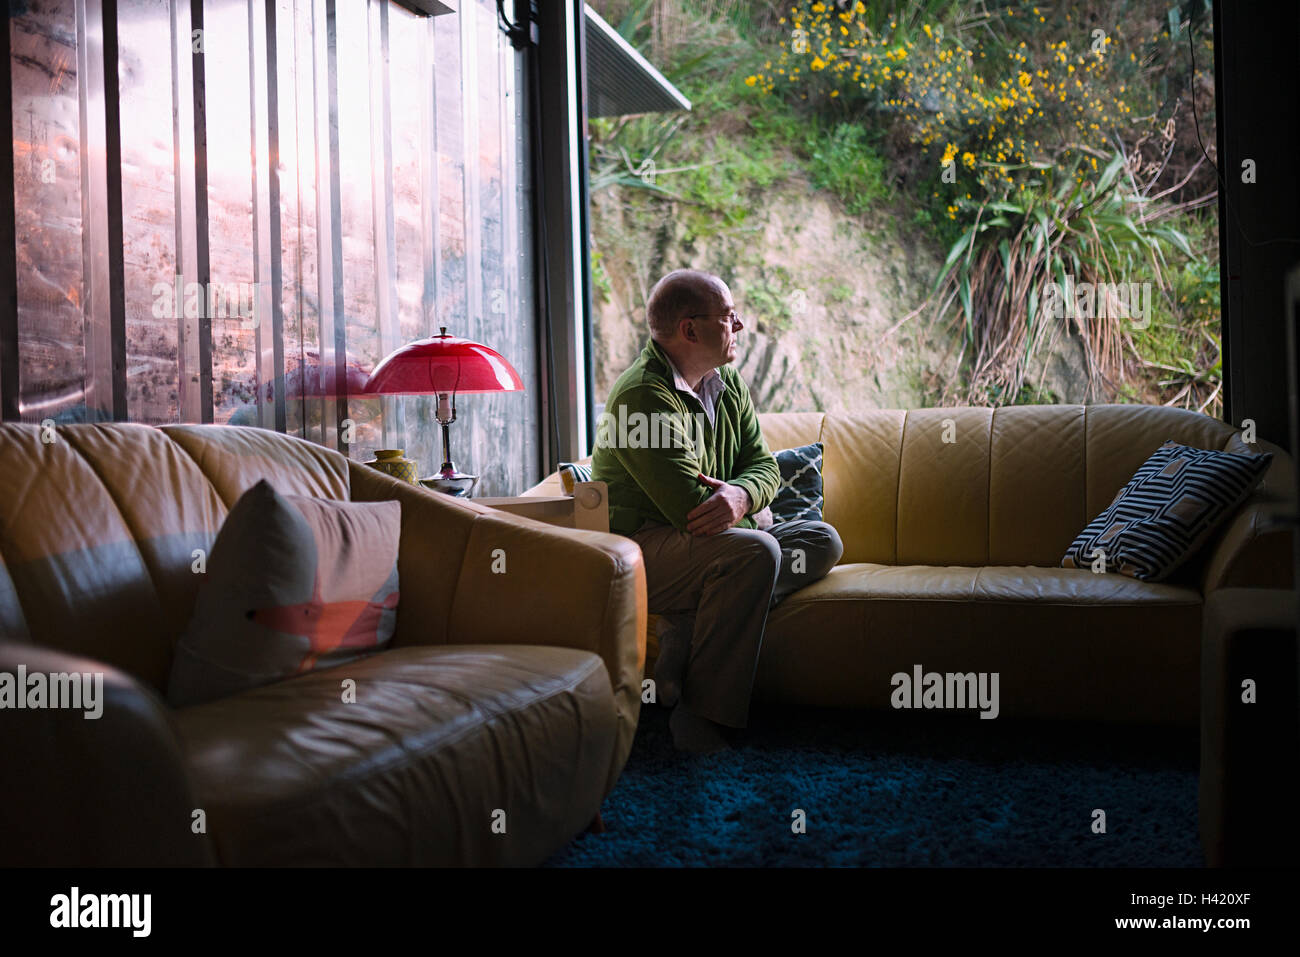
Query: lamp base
x,y
457,484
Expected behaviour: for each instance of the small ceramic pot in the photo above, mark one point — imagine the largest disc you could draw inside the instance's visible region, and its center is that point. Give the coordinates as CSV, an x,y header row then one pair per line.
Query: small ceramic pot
x,y
394,462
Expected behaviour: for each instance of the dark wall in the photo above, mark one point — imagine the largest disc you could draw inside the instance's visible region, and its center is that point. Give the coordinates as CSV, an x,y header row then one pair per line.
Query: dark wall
x,y
1257,55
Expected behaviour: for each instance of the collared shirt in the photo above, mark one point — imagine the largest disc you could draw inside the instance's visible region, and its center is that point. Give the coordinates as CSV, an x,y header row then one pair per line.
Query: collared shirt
x,y
711,386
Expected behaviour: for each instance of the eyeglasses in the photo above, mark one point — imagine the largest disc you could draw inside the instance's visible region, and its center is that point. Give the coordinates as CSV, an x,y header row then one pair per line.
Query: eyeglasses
x,y
733,316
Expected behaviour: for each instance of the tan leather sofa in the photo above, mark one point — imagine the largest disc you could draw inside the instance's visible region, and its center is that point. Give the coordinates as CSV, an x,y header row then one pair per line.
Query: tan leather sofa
x,y
952,552
514,692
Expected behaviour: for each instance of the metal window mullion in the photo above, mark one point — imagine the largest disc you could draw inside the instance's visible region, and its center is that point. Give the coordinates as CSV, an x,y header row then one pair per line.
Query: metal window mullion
x,y
559,222
288,139
8,239
382,214
323,170
580,317
273,185
509,211
104,302
306,117
516,197
264,131
185,138
470,145
198,234
329,206
429,210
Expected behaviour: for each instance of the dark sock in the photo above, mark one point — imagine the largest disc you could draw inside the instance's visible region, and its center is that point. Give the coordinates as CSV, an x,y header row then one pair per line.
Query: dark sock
x,y
670,667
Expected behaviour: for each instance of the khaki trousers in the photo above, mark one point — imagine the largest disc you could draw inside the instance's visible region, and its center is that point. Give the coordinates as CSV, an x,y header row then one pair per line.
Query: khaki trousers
x,y
719,588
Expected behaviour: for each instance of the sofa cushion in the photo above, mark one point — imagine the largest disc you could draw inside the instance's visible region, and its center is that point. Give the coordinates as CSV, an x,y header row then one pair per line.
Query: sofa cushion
x,y
236,459
411,768
1166,511
75,504
1066,643
293,584
1009,486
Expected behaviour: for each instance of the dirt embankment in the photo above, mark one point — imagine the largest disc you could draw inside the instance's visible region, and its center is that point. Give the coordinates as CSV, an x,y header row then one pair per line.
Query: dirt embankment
x,y
823,295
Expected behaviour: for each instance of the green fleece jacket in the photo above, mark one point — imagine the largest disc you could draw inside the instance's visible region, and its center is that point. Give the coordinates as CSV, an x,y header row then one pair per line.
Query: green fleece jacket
x,y
652,473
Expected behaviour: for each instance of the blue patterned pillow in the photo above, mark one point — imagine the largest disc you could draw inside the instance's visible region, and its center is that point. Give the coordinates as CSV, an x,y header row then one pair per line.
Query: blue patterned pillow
x,y
1166,511
800,493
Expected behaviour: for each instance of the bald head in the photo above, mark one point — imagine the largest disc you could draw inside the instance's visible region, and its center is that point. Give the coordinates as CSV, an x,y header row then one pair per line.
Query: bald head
x,y
681,293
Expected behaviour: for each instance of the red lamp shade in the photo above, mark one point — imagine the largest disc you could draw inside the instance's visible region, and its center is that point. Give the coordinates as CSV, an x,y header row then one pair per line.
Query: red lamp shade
x,y
446,366
443,364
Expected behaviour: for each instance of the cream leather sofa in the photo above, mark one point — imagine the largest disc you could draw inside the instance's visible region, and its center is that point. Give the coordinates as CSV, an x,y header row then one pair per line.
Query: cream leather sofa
x,y
952,552
510,689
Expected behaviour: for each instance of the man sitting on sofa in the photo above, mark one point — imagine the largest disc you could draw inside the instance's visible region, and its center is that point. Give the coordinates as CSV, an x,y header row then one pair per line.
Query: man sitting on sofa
x,y
694,495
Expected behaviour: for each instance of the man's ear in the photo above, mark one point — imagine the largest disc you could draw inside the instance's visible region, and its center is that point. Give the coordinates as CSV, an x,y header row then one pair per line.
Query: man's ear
x,y
688,332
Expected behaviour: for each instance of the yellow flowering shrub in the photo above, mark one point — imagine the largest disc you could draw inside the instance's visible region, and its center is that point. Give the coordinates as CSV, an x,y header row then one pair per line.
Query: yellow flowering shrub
x,y
1001,111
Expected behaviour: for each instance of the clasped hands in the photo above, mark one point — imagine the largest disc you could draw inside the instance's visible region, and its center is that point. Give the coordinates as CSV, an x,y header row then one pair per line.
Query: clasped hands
x,y
724,508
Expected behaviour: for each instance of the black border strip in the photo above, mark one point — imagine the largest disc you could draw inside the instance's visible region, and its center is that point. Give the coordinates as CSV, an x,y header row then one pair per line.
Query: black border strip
x,y
1227,236
113,192
8,238
583,294
273,196
201,251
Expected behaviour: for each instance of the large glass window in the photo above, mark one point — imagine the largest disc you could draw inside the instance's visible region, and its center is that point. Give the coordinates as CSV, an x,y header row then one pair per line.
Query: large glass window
x,y
304,189
925,203
47,95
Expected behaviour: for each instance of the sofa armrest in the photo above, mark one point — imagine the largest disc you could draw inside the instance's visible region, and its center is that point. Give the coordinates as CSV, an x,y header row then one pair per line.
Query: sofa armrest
x,y
587,507
1254,550
472,574
1245,819
106,791
525,582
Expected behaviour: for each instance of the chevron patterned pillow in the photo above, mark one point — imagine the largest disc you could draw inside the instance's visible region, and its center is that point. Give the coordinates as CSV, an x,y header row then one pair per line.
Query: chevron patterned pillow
x,y
1166,511
800,493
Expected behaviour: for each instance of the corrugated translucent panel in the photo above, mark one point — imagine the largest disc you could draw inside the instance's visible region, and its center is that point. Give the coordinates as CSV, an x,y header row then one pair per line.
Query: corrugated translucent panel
x,y
490,420
48,207
329,253
357,166
296,199
311,298
230,212
449,138
518,257
414,191
148,212
365,184
264,130
193,346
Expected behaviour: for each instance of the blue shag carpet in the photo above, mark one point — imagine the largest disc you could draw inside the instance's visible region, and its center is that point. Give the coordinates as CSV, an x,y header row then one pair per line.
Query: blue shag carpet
x,y
901,789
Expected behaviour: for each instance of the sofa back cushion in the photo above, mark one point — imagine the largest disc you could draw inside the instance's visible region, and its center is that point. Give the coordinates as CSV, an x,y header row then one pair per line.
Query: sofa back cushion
x,y
979,486
99,525
789,430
